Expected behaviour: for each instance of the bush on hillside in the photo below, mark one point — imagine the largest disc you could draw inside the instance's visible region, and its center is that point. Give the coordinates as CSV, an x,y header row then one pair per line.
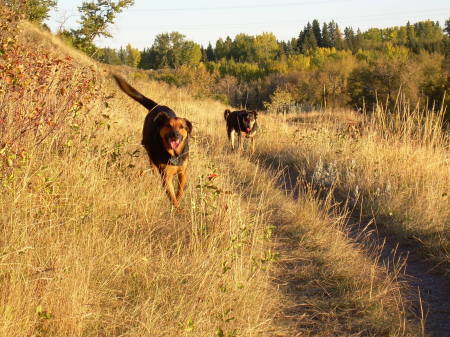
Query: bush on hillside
x,y
39,91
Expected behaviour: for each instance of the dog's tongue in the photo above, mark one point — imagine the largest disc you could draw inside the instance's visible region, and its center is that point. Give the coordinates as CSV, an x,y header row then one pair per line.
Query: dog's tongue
x,y
174,144
248,129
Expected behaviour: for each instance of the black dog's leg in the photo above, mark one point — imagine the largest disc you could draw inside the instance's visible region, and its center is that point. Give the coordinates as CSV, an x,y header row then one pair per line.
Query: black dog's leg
x,y
240,142
232,135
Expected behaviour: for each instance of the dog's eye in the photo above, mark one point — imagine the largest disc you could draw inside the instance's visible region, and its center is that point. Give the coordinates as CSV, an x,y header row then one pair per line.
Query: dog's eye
x,y
181,127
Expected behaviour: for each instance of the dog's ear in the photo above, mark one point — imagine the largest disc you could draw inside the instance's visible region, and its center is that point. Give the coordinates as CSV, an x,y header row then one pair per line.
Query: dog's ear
x,y
255,113
188,125
161,118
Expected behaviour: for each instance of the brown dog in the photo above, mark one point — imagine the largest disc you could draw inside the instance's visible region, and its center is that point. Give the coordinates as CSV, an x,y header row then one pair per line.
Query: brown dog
x,y
166,139
243,124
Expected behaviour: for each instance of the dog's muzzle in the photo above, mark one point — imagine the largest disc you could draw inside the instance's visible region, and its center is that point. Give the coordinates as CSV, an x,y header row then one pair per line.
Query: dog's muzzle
x,y
174,139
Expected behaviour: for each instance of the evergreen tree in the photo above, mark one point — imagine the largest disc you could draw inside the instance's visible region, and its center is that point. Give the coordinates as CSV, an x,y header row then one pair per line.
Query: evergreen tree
x,y
306,40
291,46
447,27
412,42
335,35
349,36
317,32
326,37
122,54
210,53
204,58
310,42
148,59
358,41
339,41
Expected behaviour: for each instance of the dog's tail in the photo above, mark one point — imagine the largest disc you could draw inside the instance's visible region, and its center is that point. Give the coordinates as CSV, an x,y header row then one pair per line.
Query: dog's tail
x,y
226,114
133,93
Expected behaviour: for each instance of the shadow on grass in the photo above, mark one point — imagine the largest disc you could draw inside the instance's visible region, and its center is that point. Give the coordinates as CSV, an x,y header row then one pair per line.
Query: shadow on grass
x,y
433,290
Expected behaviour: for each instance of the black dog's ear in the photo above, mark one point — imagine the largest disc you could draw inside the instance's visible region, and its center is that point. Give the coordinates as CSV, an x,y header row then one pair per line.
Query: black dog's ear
x,y
161,118
255,113
189,125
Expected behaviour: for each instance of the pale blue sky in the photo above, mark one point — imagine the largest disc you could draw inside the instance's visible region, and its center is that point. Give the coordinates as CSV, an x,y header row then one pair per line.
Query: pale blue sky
x,y
205,20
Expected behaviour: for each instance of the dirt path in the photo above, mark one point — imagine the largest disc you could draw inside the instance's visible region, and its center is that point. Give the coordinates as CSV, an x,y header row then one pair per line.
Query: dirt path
x,y
431,297
430,291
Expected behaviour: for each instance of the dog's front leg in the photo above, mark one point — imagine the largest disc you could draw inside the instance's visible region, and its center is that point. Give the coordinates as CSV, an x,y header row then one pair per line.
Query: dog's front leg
x,y
182,179
240,142
167,177
232,133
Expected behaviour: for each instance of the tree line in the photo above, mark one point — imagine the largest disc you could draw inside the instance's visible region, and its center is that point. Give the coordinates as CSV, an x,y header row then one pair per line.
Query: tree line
x,y
173,50
323,65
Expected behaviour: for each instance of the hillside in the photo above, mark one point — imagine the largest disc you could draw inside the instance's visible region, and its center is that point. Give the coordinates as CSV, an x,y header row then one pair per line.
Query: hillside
x,y
264,244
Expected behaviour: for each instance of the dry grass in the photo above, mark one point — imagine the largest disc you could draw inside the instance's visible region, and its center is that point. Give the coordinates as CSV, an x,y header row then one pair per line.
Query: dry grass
x,y
91,247
397,171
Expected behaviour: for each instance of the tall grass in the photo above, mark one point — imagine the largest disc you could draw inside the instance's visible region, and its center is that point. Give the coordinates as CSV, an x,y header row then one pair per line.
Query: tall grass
x,y
397,171
328,283
415,125
91,247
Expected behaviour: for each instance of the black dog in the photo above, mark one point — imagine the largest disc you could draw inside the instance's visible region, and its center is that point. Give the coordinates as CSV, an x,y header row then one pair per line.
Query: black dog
x,y
243,123
165,137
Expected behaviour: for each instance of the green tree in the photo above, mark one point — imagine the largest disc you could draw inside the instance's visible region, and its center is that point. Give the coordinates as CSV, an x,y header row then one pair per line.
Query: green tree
x,y
289,47
148,59
191,54
266,48
326,37
172,50
94,22
210,55
37,10
122,54
243,48
412,42
97,16
307,41
73,38
132,56
447,27
223,48
349,37
429,35
335,35
108,56
317,32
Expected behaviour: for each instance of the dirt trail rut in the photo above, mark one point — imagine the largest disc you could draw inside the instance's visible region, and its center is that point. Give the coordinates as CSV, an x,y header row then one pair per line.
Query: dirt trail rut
x,y
434,289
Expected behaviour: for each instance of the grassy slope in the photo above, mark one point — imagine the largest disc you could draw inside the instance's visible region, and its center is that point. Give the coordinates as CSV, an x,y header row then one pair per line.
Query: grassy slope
x,y
90,246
